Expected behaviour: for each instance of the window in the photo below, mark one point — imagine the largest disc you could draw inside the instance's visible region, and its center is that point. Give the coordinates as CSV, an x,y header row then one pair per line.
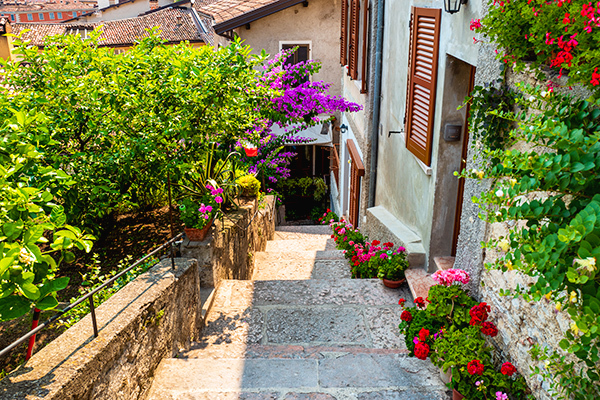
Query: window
x,y
29,17
41,16
422,75
51,15
12,17
74,14
354,39
302,53
59,15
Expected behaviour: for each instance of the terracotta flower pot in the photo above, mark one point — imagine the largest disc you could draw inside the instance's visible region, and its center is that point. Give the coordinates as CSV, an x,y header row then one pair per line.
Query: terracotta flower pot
x,y
456,395
198,235
393,284
251,152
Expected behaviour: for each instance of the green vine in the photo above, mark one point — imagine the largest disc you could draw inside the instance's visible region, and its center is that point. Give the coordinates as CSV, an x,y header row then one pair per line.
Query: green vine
x,y
548,188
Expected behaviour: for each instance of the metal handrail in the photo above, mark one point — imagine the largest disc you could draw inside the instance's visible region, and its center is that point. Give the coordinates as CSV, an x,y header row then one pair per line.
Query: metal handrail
x,y
90,295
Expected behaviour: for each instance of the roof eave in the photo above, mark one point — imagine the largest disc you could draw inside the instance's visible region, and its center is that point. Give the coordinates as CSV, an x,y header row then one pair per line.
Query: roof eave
x,y
254,15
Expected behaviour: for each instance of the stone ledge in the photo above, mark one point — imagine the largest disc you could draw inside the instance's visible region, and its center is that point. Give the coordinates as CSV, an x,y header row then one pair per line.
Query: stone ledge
x,y
154,316
403,234
419,282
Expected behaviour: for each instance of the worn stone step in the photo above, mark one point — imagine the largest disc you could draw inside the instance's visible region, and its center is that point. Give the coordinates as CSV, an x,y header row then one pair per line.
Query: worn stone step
x,y
301,245
444,263
311,229
342,312
272,268
337,374
315,237
294,254
419,282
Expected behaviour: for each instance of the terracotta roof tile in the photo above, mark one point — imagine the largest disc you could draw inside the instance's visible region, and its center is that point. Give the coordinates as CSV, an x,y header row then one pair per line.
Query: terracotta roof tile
x,y
223,10
48,6
125,31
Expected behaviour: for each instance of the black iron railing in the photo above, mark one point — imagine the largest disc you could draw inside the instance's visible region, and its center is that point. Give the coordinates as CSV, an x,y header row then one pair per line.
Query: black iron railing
x,y
90,297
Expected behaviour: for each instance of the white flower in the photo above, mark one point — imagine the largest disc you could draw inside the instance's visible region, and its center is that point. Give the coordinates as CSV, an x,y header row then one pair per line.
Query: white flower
x,y
544,93
504,245
499,193
26,257
532,98
589,263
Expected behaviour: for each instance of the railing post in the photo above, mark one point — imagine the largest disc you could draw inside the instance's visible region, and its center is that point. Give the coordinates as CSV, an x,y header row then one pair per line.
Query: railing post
x,y
34,324
93,313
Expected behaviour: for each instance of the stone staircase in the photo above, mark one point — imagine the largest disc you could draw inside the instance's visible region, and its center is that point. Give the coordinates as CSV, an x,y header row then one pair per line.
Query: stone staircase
x,y
301,329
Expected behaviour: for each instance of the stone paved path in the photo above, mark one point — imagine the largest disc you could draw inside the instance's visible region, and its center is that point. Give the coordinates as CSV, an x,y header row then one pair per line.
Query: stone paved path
x,y
301,329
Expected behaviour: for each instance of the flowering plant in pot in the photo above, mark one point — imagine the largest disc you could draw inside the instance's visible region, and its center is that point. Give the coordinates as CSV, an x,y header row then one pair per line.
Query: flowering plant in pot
x,y
390,264
199,215
347,237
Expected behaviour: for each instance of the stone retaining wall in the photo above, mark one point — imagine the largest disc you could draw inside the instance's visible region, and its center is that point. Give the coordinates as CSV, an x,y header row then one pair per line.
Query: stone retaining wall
x,y
154,316
228,251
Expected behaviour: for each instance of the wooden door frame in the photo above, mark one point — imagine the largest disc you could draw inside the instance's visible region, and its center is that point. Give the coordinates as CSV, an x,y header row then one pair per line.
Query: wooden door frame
x,y
463,165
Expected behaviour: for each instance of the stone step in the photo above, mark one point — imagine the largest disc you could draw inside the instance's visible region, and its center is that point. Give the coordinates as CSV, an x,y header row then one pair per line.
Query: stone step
x,y
342,312
444,263
269,267
301,245
315,237
335,374
419,282
312,229
294,254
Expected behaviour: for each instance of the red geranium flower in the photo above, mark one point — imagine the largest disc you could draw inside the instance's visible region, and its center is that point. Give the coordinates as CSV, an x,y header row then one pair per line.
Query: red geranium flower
x,y
420,302
401,302
388,244
423,333
479,313
421,350
375,242
508,369
475,367
406,316
488,328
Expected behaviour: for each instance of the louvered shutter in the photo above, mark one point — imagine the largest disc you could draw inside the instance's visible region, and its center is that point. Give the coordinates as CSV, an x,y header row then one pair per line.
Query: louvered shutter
x,y
344,34
357,171
365,52
354,31
422,82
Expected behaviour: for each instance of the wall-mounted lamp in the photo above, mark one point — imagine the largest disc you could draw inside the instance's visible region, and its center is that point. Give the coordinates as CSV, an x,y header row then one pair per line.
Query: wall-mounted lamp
x,y
343,128
453,6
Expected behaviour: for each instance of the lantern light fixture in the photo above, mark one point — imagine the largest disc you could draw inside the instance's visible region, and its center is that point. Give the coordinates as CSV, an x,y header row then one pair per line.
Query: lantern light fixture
x,y
453,6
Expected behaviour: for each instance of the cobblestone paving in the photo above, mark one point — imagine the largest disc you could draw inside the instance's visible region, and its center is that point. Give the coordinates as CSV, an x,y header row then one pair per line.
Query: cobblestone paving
x,y
300,330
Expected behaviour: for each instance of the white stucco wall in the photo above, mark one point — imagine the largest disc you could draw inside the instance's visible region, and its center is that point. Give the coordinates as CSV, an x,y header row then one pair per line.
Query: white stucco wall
x,y
403,187
319,24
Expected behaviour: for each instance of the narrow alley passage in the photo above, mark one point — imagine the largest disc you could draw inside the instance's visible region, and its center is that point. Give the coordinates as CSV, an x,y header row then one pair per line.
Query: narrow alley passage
x,y
301,329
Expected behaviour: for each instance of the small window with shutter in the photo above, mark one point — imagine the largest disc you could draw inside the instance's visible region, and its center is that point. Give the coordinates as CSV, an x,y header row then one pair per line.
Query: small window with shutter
x,y
344,34
302,53
422,76
354,38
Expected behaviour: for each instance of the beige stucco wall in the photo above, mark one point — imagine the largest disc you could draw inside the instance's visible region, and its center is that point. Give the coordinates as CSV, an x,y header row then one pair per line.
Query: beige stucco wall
x,y
403,186
319,24
127,10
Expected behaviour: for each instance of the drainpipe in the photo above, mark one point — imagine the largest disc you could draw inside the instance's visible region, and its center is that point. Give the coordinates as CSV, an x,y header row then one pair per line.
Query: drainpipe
x,y
376,102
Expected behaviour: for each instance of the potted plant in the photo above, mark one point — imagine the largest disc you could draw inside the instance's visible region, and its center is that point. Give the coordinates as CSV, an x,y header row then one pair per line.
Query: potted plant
x,y
198,216
390,264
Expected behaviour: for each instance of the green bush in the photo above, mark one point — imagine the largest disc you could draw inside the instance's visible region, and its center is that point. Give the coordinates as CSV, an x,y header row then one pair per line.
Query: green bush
x,y
249,185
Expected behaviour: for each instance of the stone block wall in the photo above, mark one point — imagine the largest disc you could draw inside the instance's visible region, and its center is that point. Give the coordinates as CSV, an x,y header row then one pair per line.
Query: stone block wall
x,y
228,251
155,316
521,324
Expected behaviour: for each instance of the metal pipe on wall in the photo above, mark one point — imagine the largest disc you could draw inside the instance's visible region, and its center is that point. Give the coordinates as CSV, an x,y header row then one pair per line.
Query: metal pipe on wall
x,y
376,102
